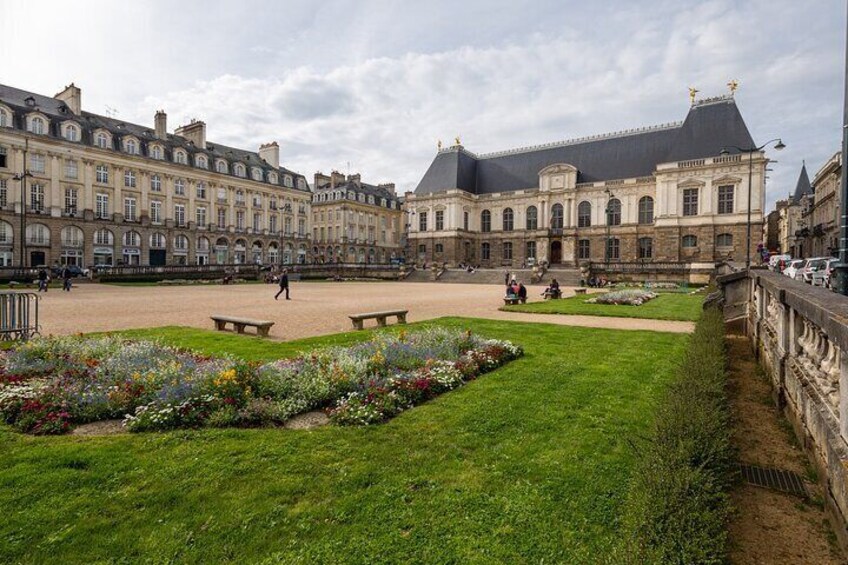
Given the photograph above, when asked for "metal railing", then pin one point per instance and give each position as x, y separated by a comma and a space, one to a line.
18, 316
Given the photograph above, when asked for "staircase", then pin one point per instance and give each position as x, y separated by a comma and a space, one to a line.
565, 277
419, 276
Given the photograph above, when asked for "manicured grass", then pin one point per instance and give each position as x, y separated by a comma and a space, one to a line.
530, 463
666, 306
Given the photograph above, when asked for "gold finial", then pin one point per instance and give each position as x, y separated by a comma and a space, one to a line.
439, 145
457, 141
733, 85
692, 92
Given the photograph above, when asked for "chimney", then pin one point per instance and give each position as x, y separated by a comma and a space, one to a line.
390, 186
72, 97
356, 179
321, 180
336, 179
194, 132
160, 124
270, 153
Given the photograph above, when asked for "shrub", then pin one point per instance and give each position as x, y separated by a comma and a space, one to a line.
677, 507
629, 297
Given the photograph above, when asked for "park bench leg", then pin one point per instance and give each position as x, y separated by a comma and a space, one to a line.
239, 328
381, 321
357, 324
262, 331
401, 318
219, 325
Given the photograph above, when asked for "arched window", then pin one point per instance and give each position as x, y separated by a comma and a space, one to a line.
485, 221
181, 242
203, 243
37, 234
36, 125
257, 174
287, 180
239, 170
201, 162
584, 214
646, 248
180, 157
614, 212
156, 153
485, 251
724, 240
132, 239
71, 133
690, 241
556, 216
157, 240
72, 236
508, 219
5, 121
646, 210
6, 233
132, 147
103, 237
221, 166
102, 141
532, 218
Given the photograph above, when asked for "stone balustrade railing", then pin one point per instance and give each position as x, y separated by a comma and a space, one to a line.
800, 335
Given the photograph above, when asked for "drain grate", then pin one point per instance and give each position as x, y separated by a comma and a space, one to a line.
775, 479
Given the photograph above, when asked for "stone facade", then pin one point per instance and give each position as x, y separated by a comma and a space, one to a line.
820, 217
355, 222
102, 191
563, 219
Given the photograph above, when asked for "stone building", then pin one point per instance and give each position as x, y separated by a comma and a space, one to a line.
820, 215
663, 193
790, 223
355, 222
103, 191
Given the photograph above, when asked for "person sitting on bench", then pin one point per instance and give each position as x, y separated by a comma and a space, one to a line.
553, 290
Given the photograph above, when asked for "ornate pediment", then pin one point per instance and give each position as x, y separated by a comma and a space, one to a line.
559, 176
691, 183
727, 179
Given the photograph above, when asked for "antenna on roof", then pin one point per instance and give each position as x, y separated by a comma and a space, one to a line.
111, 112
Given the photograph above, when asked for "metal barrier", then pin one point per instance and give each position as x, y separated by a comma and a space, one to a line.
18, 316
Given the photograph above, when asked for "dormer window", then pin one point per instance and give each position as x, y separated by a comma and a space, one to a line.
131, 147
257, 174
180, 157
239, 170
36, 125
156, 152
5, 119
30, 101
221, 167
272, 178
287, 180
201, 162
301, 184
101, 140
72, 132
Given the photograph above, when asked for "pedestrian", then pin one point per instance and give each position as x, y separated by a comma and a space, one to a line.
42, 280
284, 284
66, 279
506, 278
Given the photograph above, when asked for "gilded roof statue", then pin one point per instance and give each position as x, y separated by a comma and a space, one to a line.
733, 85
692, 92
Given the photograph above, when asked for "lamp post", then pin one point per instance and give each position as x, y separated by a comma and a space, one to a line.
750, 151
607, 245
22, 177
841, 266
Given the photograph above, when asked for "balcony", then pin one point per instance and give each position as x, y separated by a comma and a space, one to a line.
556, 232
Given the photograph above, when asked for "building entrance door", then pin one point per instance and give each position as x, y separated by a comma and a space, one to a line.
556, 252
157, 257
36, 258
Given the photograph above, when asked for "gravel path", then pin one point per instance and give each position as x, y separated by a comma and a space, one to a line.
316, 308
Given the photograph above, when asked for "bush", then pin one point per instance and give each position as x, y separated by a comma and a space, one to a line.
677, 507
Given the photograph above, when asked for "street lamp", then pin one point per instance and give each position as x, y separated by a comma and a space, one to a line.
22, 177
750, 151
608, 246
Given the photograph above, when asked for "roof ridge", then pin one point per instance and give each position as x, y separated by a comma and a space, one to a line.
567, 142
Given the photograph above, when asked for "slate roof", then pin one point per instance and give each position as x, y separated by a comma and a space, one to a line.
368, 189
709, 126
802, 187
58, 112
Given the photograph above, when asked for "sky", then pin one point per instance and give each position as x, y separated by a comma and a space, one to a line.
371, 86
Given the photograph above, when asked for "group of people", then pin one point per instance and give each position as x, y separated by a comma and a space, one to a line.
597, 282
516, 290
553, 290
44, 279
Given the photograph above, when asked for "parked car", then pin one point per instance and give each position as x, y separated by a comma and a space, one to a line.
793, 267
76, 271
824, 276
811, 266
774, 261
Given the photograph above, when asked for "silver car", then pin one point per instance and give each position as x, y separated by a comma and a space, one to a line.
810, 268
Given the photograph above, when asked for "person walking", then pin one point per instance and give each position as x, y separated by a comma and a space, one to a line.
284, 284
42, 280
66, 279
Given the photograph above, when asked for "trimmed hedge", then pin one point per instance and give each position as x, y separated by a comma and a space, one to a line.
678, 505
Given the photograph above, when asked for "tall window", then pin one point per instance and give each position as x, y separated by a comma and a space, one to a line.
583, 249
70, 200
201, 190
130, 209
440, 220
614, 212
202, 162
240, 220
422, 221
221, 166
584, 214
646, 210
179, 187
257, 222
71, 169
3, 157
724, 240
36, 163
179, 157
530, 251
155, 211
508, 219
101, 140
532, 219
179, 214
156, 183
36, 125
157, 240
101, 209
556, 216
4, 118
725, 199
156, 153
272, 224
132, 147
129, 179
485, 251
646, 248
507, 250
132, 239
36, 197
690, 241
485, 221
613, 248
101, 173
200, 215
465, 221
4, 193
690, 201
222, 218
71, 133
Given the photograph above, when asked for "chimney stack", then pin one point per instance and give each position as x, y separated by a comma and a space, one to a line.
390, 186
321, 180
270, 153
160, 124
336, 179
195, 132
72, 97
355, 179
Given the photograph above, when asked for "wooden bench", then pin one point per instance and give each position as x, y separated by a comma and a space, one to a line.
551, 295
262, 326
579, 291
512, 300
358, 319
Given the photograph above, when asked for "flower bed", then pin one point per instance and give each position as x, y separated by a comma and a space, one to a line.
630, 297
49, 385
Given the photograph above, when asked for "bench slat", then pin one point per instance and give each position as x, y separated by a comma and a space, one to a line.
369, 315
245, 321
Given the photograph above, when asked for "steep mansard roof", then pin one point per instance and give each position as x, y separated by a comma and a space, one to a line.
59, 112
803, 186
709, 126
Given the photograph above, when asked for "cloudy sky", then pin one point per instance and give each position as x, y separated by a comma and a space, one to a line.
376, 83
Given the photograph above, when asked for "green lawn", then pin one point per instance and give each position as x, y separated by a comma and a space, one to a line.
530, 463
666, 306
